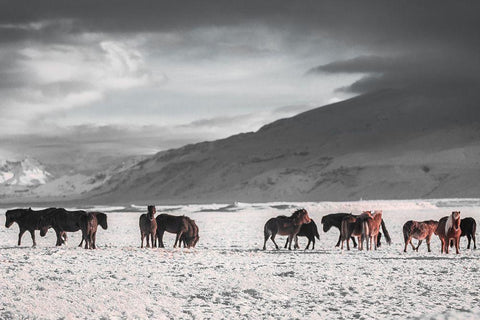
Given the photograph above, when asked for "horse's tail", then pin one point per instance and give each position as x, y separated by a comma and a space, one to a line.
315, 231
385, 232
406, 231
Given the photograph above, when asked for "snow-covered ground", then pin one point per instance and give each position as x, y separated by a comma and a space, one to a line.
229, 276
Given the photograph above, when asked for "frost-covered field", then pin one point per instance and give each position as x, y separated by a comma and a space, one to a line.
228, 276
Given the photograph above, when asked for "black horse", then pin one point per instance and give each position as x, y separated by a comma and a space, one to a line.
62, 221
335, 220
469, 227
27, 220
310, 231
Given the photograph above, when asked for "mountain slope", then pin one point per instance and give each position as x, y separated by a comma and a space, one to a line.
388, 144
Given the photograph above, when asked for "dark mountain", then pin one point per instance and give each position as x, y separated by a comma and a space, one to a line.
389, 144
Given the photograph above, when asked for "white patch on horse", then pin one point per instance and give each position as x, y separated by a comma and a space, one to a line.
449, 223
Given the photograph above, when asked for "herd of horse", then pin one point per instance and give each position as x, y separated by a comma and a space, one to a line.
365, 227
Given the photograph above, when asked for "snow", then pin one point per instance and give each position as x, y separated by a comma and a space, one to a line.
228, 276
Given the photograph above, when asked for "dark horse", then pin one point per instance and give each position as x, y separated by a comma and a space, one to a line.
148, 227
172, 224
285, 226
420, 231
335, 220
190, 237
308, 230
27, 219
448, 229
89, 224
469, 227
62, 221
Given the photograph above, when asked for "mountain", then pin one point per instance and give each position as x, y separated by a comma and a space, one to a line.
27, 172
389, 144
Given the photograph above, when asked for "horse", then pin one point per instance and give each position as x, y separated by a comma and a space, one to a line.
284, 226
419, 230
335, 220
27, 219
190, 237
308, 230
469, 227
449, 229
89, 227
353, 226
62, 221
372, 223
148, 226
172, 224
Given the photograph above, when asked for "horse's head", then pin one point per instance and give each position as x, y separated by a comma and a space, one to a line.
456, 219
43, 230
46, 221
326, 224
102, 220
151, 212
12, 215
301, 217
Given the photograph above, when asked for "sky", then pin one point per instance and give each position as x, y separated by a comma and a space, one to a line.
136, 77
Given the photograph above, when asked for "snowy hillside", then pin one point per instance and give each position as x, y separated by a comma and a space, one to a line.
385, 145
27, 172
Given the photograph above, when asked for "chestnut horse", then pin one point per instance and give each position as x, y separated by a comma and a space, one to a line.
373, 228
148, 227
352, 226
285, 226
448, 229
420, 230
89, 224
190, 237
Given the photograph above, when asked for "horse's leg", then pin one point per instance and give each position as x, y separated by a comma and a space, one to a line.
286, 243
469, 240
407, 241
418, 245
429, 237
447, 245
147, 235
313, 242
354, 242
266, 236
32, 233
177, 238
296, 243
308, 244
59, 238
273, 240
457, 245
153, 239
474, 241
142, 235
94, 239
290, 238
20, 234
160, 238
339, 239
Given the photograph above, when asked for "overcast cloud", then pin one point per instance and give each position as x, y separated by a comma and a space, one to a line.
152, 75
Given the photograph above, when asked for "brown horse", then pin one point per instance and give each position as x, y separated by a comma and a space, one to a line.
308, 230
148, 227
27, 220
285, 226
89, 225
190, 237
352, 226
448, 229
373, 225
419, 230
173, 224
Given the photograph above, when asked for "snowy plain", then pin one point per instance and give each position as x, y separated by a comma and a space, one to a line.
228, 276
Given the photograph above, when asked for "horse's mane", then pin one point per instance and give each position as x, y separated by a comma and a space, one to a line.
15, 213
